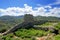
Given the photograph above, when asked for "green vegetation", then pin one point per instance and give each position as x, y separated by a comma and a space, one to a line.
6, 22
57, 37
26, 34
50, 18
47, 24
58, 26
30, 32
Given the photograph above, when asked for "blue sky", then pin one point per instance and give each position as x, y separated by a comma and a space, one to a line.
20, 3
35, 7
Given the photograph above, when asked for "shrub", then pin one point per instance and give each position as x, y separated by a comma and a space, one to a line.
27, 33
57, 37
57, 26
7, 37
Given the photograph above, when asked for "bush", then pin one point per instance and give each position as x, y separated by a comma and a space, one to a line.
57, 37
27, 33
7, 37
57, 26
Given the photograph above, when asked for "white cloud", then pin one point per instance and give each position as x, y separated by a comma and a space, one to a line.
47, 6
55, 3
16, 11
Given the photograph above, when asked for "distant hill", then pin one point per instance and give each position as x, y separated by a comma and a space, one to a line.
36, 17
10, 17
47, 18
7, 22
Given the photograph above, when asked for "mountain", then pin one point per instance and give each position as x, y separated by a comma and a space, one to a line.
47, 18
10, 17
6, 22
6, 17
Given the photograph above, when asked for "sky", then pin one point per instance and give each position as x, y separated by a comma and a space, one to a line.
34, 7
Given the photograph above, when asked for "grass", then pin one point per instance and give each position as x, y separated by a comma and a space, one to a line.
25, 34
47, 24
58, 26
30, 34
57, 37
